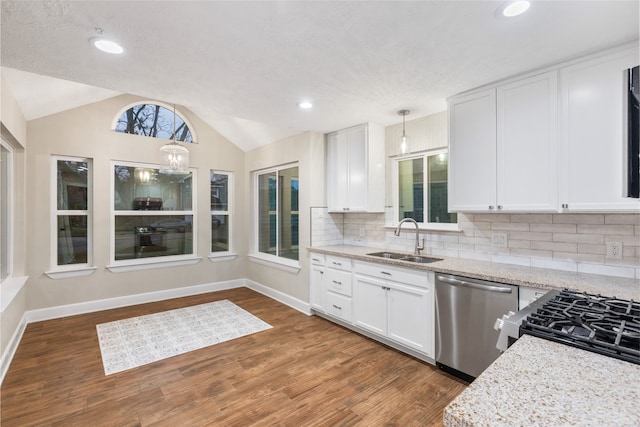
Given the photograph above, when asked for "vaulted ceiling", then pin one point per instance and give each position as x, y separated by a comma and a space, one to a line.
242, 66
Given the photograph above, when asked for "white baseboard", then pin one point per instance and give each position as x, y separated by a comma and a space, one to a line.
125, 301
285, 299
10, 351
110, 303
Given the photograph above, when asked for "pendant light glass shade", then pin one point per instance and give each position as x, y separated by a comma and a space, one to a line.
403, 145
174, 158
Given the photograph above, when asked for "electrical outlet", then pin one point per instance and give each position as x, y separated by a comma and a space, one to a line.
614, 250
361, 233
499, 239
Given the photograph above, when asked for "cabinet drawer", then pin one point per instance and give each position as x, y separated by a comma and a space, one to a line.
338, 281
396, 274
317, 259
338, 306
338, 263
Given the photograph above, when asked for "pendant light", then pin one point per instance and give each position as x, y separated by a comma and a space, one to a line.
403, 145
174, 158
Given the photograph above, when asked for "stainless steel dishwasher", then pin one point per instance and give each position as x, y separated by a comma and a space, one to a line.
466, 310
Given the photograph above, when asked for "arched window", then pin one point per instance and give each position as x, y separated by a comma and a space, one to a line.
155, 121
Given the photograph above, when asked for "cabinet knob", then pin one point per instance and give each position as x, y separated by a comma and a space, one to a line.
499, 207
490, 207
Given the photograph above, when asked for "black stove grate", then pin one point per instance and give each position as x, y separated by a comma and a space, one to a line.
608, 326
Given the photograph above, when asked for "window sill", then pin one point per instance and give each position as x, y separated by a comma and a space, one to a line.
127, 266
281, 264
67, 274
427, 227
10, 288
225, 256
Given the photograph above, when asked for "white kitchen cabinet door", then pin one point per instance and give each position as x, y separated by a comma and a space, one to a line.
527, 144
355, 169
410, 317
317, 286
370, 304
472, 152
593, 136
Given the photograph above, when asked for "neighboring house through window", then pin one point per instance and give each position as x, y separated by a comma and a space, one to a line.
277, 212
421, 189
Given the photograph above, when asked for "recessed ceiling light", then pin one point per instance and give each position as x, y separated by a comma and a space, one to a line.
108, 46
305, 105
514, 8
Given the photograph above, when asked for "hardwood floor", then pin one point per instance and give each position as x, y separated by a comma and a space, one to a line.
305, 371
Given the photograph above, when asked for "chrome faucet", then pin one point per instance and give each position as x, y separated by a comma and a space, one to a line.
397, 233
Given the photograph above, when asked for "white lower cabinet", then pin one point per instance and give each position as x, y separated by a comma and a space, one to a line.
397, 309
393, 303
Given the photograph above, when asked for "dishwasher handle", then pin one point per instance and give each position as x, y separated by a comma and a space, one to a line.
490, 288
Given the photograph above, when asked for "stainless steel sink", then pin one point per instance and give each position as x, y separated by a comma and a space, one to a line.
420, 259
388, 255
404, 257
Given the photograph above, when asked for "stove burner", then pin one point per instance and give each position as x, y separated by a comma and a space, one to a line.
603, 325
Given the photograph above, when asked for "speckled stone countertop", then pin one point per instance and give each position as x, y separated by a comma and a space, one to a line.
504, 273
537, 382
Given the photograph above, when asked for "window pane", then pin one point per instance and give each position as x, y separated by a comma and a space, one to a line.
72, 185
288, 212
438, 166
5, 158
72, 239
219, 192
154, 121
219, 233
138, 188
411, 189
152, 236
267, 213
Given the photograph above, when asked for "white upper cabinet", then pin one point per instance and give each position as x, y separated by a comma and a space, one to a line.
527, 144
503, 147
472, 152
355, 169
593, 136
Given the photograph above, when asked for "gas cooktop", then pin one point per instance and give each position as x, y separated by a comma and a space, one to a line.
603, 325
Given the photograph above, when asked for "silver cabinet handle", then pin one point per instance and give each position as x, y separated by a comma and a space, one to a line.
335, 306
458, 282
336, 263
336, 282
385, 272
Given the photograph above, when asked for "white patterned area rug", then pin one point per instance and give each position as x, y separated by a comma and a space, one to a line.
134, 342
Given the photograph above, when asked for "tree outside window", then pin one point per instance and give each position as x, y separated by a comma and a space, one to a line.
154, 121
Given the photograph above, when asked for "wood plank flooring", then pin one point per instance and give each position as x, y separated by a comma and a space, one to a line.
305, 371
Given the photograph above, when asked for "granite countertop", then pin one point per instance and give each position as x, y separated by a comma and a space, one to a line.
544, 383
504, 273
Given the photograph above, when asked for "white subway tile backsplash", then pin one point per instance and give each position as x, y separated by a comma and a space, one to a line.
568, 242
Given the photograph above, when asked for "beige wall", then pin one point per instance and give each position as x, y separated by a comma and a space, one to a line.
307, 150
85, 132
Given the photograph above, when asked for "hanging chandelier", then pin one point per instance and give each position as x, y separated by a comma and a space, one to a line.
174, 158
403, 145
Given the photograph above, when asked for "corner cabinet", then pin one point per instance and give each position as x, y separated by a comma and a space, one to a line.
593, 136
503, 147
356, 169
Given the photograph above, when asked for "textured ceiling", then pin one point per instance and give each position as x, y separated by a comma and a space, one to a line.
243, 66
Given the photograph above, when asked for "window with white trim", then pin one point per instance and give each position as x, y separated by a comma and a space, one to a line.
220, 208
153, 213
6, 205
277, 212
155, 121
72, 212
421, 186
